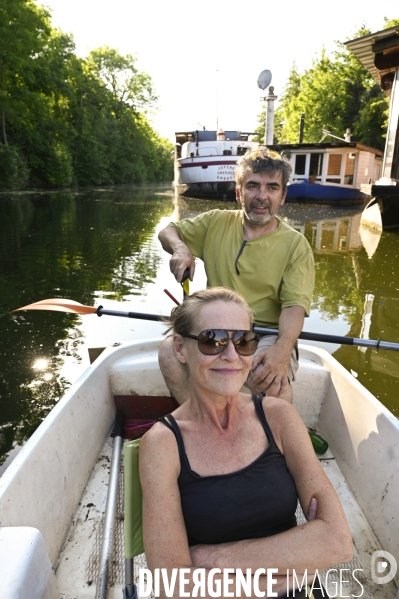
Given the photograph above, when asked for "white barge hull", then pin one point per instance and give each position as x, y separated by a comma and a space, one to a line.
206, 161
199, 176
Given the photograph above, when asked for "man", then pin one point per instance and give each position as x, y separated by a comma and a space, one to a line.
256, 254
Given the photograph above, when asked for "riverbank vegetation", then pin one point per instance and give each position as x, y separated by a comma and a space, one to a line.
68, 121
336, 93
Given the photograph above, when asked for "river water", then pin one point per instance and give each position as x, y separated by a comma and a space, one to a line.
101, 247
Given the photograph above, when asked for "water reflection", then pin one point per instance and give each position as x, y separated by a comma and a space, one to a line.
356, 281
101, 247
79, 246
378, 317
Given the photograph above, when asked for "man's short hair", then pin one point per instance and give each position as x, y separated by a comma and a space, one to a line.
263, 161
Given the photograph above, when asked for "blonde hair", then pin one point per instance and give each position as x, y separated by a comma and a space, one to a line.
183, 317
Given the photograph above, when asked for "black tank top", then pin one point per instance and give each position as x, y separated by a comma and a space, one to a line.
257, 501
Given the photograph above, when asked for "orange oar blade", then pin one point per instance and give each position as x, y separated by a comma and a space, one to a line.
59, 304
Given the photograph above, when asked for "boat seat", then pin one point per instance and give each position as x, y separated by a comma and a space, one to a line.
133, 531
132, 500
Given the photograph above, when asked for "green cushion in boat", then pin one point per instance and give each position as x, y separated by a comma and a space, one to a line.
133, 496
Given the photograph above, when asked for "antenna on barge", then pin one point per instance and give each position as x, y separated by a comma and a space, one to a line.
264, 81
217, 99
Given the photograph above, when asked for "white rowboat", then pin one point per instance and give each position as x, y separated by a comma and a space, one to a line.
53, 495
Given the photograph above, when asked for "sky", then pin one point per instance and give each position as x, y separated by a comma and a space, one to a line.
205, 58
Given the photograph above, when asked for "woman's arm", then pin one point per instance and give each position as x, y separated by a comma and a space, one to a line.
164, 532
318, 544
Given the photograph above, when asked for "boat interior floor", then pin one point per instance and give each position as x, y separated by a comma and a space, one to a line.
77, 567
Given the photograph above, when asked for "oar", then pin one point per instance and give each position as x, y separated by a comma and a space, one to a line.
66, 305
110, 511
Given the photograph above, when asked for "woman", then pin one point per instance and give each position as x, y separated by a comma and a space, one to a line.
221, 476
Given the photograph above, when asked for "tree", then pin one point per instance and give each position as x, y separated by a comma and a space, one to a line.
66, 120
129, 87
390, 23
24, 28
116, 142
336, 93
366, 106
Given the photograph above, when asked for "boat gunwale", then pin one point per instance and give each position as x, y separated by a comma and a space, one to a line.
18, 484
54, 541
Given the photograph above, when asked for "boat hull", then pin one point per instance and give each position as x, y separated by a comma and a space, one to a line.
316, 193
224, 191
382, 212
212, 177
206, 162
45, 486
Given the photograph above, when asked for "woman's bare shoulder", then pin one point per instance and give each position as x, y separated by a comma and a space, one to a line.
279, 410
159, 445
283, 419
159, 454
158, 435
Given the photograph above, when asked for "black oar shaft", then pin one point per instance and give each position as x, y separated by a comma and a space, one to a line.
140, 316
311, 336
335, 339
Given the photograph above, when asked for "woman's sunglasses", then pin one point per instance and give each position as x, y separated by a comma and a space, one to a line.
214, 341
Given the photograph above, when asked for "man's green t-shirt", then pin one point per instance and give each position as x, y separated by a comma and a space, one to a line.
273, 271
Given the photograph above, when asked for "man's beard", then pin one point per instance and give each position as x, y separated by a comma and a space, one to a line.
259, 220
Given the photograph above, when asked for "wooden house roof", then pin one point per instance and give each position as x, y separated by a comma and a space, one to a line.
379, 53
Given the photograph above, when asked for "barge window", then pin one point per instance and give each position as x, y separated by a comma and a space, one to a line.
241, 150
300, 164
316, 165
334, 164
349, 169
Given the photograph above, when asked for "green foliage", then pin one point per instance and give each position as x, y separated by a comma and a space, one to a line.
129, 87
69, 245
343, 298
14, 172
390, 23
66, 120
372, 120
336, 93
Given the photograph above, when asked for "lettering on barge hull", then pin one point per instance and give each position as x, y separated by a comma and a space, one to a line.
226, 172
